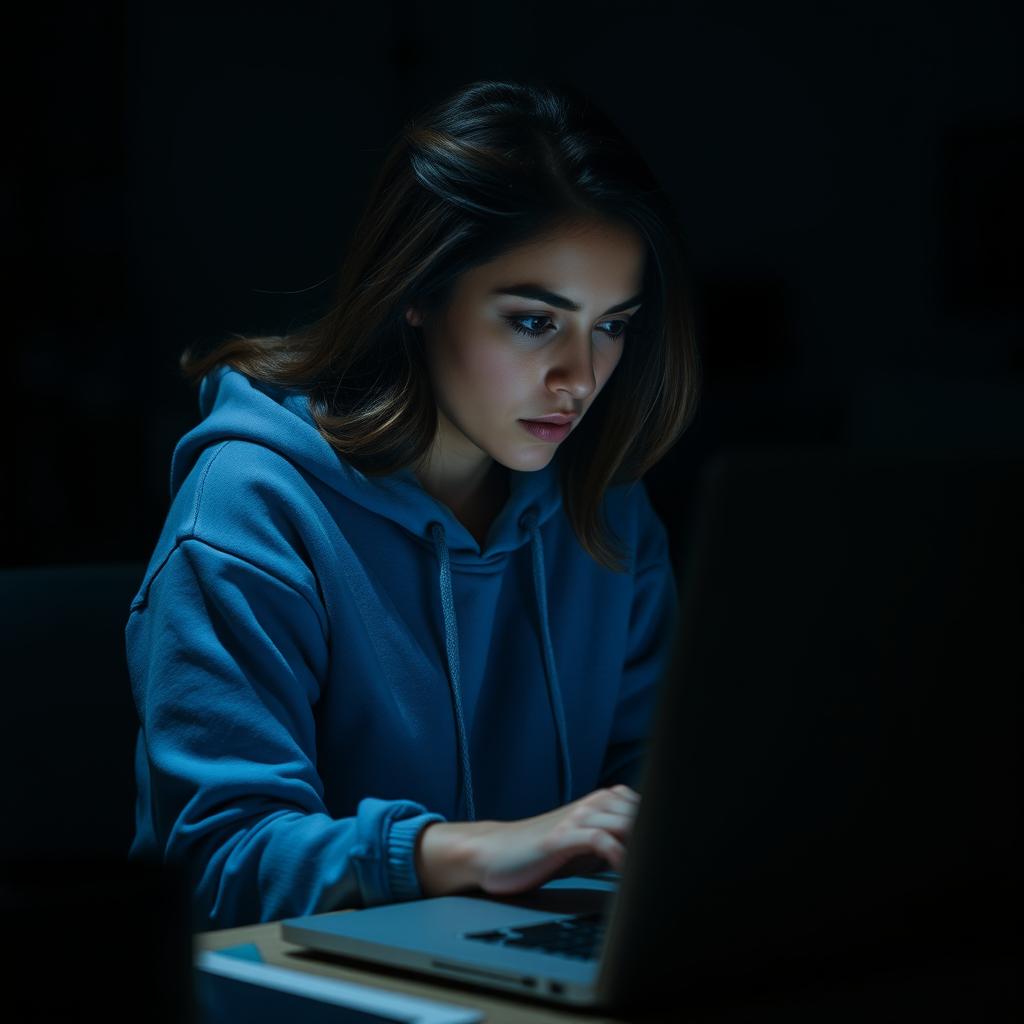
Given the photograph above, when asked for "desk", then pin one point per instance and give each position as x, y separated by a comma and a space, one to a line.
499, 1008
986, 991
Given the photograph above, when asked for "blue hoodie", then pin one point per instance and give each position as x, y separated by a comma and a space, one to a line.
324, 662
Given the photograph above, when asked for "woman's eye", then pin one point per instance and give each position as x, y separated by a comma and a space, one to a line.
516, 323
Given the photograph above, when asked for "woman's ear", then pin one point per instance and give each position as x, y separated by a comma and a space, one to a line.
414, 317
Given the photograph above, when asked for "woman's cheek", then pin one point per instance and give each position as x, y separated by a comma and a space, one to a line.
497, 370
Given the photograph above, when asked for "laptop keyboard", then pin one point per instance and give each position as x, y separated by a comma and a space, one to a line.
578, 937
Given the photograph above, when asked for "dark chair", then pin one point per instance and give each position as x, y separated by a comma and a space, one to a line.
68, 725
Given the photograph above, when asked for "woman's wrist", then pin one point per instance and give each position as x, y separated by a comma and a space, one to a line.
444, 858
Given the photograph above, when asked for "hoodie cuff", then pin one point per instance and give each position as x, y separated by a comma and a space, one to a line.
401, 848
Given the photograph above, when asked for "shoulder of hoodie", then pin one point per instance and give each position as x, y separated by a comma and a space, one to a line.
235, 467
252, 502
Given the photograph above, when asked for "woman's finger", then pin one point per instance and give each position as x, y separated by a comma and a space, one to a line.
616, 805
581, 841
620, 824
623, 790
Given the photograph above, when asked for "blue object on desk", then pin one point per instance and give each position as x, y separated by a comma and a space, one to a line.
235, 984
246, 951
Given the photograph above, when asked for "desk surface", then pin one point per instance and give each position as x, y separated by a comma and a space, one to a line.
984, 991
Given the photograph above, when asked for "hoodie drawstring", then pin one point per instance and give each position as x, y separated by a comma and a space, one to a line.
451, 638
528, 520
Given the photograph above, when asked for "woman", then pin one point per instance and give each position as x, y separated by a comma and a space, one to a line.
384, 602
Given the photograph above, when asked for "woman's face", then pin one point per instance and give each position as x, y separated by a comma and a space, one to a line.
487, 377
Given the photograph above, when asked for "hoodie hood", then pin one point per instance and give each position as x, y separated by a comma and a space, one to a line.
236, 407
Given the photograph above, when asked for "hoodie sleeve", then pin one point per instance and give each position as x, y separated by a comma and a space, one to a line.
651, 621
226, 660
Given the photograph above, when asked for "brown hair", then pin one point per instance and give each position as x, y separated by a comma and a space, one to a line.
489, 168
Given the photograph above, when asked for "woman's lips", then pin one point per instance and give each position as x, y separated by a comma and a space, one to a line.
547, 431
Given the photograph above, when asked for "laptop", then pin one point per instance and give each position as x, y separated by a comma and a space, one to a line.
830, 786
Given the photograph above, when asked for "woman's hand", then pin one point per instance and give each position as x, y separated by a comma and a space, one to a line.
590, 834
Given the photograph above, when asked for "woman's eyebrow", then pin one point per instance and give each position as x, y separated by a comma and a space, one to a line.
534, 291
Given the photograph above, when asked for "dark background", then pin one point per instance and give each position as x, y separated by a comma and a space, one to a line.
848, 175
